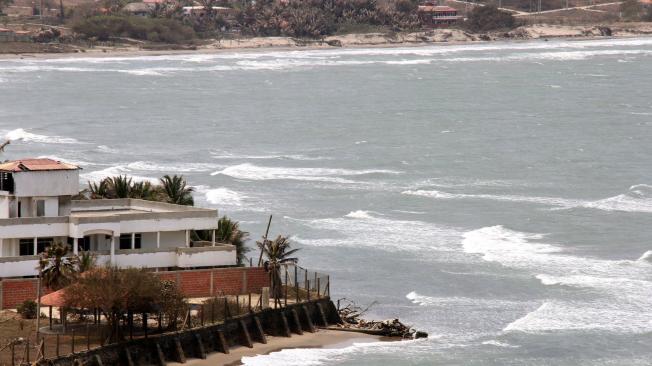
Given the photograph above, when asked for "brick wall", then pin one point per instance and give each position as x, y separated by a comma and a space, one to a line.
15, 292
193, 283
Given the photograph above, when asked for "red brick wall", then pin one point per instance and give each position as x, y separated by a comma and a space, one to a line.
193, 283
257, 278
15, 292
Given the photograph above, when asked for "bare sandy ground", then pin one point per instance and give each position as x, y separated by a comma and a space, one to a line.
320, 339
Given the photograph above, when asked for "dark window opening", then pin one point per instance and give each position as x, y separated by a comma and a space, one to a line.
40, 208
6, 182
26, 247
20, 208
125, 241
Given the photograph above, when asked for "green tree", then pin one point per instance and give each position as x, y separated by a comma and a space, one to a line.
120, 186
277, 252
489, 18
57, 270
115, 292
631, 10
228, 232
177, 190
84, 261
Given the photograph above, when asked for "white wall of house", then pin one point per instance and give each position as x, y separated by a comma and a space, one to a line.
4, 206
173, 239
46, 183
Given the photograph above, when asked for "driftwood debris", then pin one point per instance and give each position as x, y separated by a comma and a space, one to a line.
351, 315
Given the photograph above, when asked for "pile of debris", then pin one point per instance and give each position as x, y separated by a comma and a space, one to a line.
351, 316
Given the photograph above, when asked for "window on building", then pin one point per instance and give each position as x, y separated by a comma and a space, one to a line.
26, 247
40, 208
20, 209
125, 241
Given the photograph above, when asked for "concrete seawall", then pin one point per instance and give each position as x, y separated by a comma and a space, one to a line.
198, 342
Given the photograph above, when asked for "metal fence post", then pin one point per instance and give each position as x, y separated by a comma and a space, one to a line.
296, 282
286, 285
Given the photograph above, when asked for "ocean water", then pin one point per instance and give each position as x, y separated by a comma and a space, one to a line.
497, 196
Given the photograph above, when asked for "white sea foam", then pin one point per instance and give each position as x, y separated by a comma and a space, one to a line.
367, 229
65, 160
20, 134
646, 257
551, 201
106, 149
98, 175
224, 196
273, 156
637, 199
255, 172
623, 286
173, 168
359, 214
325, 356
500, 344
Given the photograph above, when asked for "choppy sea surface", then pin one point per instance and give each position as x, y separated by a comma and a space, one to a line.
497, 196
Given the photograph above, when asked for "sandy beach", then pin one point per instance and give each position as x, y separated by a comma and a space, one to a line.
321, 339
438, 37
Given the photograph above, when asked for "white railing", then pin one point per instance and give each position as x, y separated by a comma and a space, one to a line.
221, 255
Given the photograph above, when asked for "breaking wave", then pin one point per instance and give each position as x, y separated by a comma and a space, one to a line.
183, 168
621, 304
366, 229
255, 172
20, 134
637, 199
223, 196
98, 175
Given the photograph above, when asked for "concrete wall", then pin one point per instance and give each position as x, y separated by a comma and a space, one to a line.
46, 183
193, 283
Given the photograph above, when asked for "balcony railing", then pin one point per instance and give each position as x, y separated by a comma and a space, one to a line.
181, 257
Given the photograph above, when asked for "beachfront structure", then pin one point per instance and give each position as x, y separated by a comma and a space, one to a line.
37, 209
437, 16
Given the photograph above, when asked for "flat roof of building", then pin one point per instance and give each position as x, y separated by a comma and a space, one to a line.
35, 165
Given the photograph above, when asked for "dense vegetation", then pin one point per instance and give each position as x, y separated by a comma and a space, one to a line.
633, 10
489, 18
103, 27
171, 189
294, 18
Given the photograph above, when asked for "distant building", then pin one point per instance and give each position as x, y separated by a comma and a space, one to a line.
200, 10
139, 9
437, 16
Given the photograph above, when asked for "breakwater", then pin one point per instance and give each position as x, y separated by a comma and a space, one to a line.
178, 346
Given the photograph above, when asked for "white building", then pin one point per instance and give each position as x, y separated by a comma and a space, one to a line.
36, 210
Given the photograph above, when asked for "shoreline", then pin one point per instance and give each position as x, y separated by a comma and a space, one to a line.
441, 37
322, 338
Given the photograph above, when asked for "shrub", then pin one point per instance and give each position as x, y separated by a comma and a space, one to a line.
27, 309
489, 18
149, 29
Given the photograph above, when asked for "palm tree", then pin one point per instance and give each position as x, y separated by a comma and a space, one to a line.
177, 190
228, 232
142, 190
278, 252
99, 190
120, 186
84, 261
56, 269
